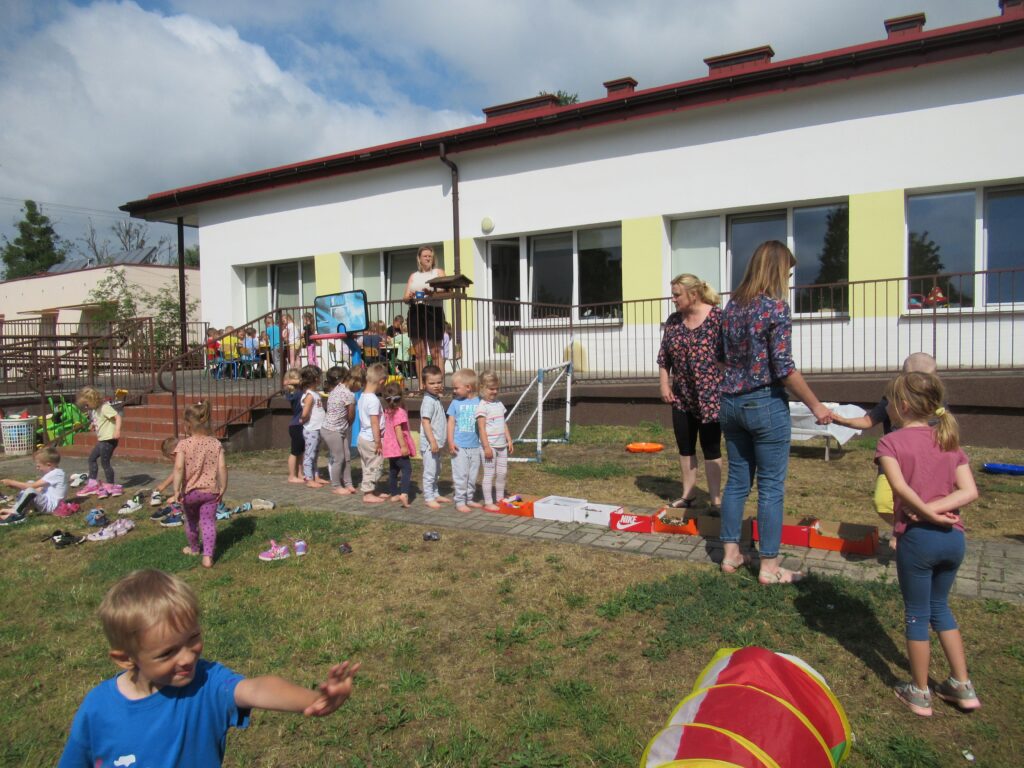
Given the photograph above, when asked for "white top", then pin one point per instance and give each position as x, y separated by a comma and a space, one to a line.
494, 424
369, 405
316, 416
418, 280
52, 494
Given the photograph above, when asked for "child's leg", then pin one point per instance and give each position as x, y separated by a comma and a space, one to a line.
208, 526
311, 353
942, 619
106, 453
23, 501
488, 479
405, 467
311, 438
335, 442
500, 472
430, 467
475, 457
371, 461
94, 456
346, 462
298, 448
460, 476
393, 470
191, 504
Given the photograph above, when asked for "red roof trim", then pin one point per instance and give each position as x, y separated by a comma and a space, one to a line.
908, 50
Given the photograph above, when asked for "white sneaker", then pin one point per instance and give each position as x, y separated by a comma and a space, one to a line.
133, 505
78, 479
156, 499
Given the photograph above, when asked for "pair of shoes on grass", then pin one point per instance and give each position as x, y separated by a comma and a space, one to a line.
173, 508
115, 529
281, 551
133, 505
960, 694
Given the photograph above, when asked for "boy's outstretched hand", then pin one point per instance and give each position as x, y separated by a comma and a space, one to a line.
334, 691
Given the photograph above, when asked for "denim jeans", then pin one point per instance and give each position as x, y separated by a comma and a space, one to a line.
927, 560
757, 433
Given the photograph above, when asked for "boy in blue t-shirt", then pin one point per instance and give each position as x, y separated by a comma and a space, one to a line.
170, 706
463, 438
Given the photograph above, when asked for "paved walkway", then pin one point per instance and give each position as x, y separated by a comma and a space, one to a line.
993, 568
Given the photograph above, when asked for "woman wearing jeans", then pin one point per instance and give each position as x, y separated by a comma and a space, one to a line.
756, 349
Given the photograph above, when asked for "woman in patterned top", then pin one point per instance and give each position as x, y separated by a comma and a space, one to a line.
690, 381
756, 348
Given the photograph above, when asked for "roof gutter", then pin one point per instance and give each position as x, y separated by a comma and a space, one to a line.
455, 206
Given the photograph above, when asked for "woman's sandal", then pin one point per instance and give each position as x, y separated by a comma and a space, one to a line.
682, 503
732, 566
781, 576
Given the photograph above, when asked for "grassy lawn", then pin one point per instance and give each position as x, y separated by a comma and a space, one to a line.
481, 650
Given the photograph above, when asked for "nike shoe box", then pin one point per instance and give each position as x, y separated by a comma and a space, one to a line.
623, 520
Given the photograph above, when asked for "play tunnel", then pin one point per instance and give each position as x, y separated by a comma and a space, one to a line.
752, 708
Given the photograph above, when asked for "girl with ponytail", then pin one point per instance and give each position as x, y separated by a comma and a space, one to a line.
931, 481
200, 480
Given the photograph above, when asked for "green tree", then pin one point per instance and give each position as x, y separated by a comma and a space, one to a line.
192, 256
36, 248
564, 97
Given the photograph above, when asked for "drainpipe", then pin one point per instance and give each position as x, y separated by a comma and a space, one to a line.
457, 266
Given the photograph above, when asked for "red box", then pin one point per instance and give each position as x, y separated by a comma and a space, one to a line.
850, 538
796, 531
627, 521
693, 524
521, 508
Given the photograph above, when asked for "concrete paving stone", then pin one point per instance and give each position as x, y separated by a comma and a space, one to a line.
989, 573
589, 537
521, 530
1013, 577
966, 587
835, 557
816, 554
995, 594
548, 536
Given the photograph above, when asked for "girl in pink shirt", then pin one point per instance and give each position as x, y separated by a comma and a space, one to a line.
200, 480
396, 443
931, 480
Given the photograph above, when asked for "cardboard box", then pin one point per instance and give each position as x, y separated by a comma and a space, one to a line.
796, 531
624, 520
692, 524
595, 514
521, 508
556, 508
851, 538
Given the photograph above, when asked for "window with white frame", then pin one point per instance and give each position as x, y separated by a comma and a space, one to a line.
697, 249
582, 267
284, 285
384, 274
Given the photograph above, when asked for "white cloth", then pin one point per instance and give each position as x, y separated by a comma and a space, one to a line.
804, 426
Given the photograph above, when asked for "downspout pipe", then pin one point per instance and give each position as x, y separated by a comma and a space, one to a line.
455, 206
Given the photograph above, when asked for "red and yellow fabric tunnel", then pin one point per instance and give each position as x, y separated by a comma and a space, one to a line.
752, 708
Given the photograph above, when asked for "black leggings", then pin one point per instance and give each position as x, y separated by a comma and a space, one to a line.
396, 465
688, 429
100, 454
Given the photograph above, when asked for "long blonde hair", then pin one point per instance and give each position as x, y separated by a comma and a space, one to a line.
695, 286
767, 273
197, 418
921, 396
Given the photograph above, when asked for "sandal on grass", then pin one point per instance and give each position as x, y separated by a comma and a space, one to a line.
682, 503
732, 566
781, 576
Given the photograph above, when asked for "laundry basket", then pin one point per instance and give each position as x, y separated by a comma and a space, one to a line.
19, 436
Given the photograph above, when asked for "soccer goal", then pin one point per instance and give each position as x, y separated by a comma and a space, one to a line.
543, 412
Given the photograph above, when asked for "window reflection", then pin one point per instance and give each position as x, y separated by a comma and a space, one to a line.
940, 241
1004, 246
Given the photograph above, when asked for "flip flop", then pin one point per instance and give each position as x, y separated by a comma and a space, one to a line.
682, 503
732, 566
781, 576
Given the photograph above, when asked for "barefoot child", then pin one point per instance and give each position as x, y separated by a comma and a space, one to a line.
463, 438
293, 393
200, 480
369, 434
312, 419
170, 706
396, 443
44, 494
107, 422
433, 433
340, 410
931, 481
495, 440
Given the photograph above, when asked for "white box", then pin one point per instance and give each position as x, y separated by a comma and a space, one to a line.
556, 508
595, 514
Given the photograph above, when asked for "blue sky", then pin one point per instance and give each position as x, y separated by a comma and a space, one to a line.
106, 102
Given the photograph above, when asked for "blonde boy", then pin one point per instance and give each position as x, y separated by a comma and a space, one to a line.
463, 438
368, 443
151, 620
45, 494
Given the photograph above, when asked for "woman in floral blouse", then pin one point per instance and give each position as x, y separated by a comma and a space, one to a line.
757, 351
690, 381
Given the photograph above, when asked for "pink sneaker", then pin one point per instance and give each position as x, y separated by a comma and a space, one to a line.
113, 489
276, 552
88, 489
300, 547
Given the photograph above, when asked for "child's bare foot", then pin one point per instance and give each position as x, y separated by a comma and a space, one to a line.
312, 484
474, 505
396, 498
433, 504
384, 496
443, 500
370, 498
492, 507
350, 488
404, 498
296, 480
321, 481
188, 551
462, 508
207, 561
342, 491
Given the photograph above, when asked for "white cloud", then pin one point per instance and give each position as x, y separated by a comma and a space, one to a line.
111, 102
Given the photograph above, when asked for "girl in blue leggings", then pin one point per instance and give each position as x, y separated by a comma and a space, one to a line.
931, 480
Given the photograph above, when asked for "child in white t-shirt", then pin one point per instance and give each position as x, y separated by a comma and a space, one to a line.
369, 443
43, 494
495, 440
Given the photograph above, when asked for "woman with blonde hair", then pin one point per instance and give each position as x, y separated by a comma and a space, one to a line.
690, 381
756, 349
426, 316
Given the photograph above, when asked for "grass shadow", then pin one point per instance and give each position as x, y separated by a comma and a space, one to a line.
816, 451
140, 479
239, 529
659, 485
833, 608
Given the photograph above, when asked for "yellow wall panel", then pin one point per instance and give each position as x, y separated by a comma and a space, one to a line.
877, 251
643, 244
467, 267
328, 273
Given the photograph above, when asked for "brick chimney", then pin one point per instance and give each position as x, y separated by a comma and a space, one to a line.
541, 103
905, 26
740, 61
620, 87
1011, 7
